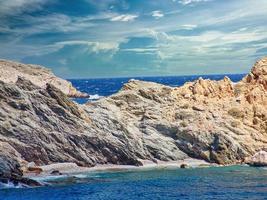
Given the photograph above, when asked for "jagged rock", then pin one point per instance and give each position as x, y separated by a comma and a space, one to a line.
184, 166
143, 121
258, 160
45, 126
40, 76
198, 108
224, 131
36, 170
10, 167
209, 88
56, 172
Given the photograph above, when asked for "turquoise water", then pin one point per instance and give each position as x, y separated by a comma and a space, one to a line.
235, 182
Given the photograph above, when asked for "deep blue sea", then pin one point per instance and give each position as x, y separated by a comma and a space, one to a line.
229, 183
107, 86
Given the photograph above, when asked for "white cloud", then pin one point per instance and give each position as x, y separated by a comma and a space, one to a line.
211, 43
157, 14
189, 26
236, 30
13, 7
102, 46
147, 50
94, 47
20, 51
245, 12
109, 4
50, 23
124, 18
186, 2
160, 36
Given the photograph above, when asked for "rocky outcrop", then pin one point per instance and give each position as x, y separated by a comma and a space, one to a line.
258, 160
44, 126
217, 121
40, 76
10, 167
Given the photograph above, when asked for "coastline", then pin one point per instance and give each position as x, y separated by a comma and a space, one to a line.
151, 183
58, 170
143, 123
70, 173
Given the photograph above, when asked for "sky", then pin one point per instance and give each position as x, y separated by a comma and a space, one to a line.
126, 38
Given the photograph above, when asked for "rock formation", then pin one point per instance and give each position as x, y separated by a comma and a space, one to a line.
258, 160
217, 121
10, 71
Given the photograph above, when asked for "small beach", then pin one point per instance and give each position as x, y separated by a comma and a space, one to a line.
71, 169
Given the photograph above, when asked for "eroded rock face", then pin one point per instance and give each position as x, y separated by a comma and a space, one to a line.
45, 126
217, 121
9, 161
40, 76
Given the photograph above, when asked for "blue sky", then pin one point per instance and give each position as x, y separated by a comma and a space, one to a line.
115, 38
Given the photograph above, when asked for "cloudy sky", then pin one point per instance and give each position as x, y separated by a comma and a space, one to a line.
115, 38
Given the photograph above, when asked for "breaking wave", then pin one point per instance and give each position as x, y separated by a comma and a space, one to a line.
95, 97
11, 184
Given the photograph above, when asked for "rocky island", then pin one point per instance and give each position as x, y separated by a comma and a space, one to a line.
217, 121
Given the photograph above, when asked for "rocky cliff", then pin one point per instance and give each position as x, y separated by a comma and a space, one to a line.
10, 71
217, 121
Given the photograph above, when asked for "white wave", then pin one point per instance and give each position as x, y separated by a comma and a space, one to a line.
10, 184
49, 178
81, 176
95, 97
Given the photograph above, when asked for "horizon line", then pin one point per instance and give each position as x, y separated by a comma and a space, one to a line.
156, 76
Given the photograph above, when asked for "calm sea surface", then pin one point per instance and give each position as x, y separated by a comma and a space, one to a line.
229, 183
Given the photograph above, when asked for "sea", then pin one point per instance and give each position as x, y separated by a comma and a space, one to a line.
212, 183
101, 87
